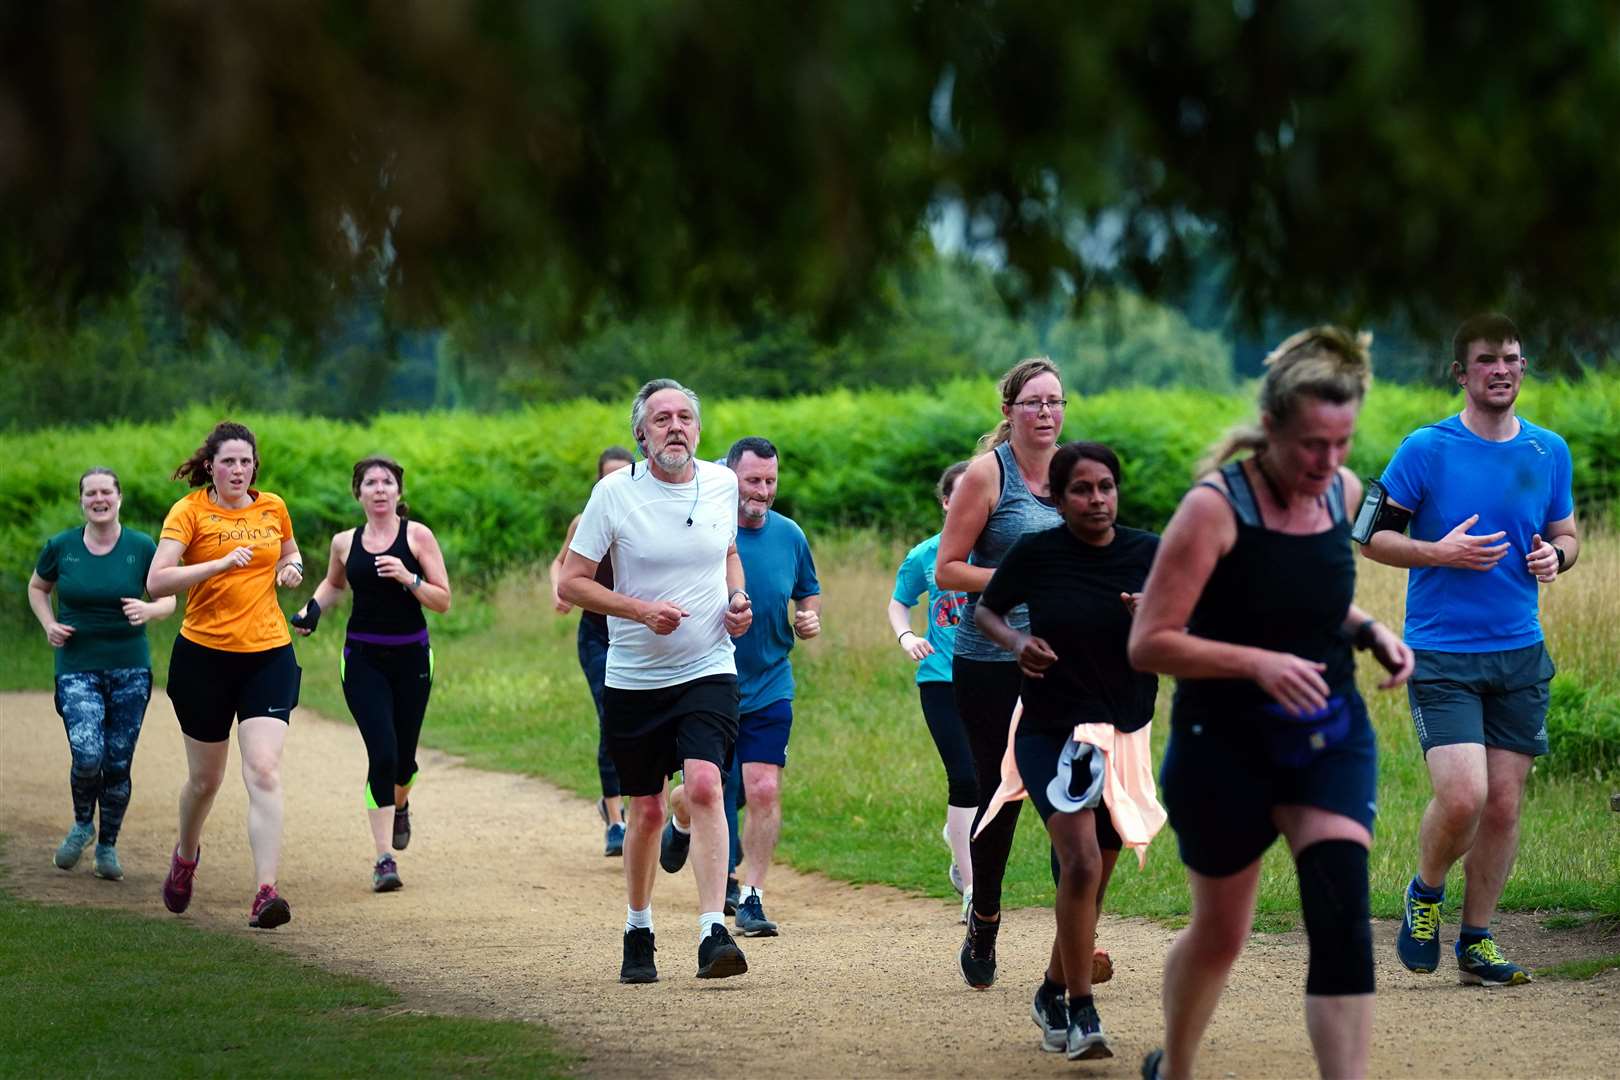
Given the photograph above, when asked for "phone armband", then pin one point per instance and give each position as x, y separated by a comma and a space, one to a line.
1377, 513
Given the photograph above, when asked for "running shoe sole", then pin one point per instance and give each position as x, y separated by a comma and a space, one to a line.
1053, 1040
728, 960
112, 872
273, 914
1093, 1047
387, 883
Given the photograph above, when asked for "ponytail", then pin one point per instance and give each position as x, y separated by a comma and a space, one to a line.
1327, 363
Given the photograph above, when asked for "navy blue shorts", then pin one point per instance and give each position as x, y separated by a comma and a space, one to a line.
1492, 698
1220, 784
762, 735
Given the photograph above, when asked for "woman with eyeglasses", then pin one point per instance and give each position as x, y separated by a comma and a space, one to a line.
1001, 498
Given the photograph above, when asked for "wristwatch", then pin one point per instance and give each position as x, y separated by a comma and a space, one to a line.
1561, 557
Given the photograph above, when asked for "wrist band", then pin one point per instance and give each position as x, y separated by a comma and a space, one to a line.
1363, 637
903, 633
1562, 558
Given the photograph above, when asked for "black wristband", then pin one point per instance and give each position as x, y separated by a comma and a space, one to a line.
1562, 558
311, 617
1363, 638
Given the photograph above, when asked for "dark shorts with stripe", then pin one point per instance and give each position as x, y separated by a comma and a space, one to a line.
1492, 698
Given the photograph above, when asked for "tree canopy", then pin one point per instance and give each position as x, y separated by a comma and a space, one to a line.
1360, 160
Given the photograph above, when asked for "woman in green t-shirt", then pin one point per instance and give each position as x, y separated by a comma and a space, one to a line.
103, 666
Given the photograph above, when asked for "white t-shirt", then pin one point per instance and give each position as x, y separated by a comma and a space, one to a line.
658, 556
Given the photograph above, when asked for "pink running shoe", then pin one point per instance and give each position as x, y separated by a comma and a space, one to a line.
269, 909
177, 886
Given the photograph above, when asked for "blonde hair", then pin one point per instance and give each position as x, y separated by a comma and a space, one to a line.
1328, 363
1011, 384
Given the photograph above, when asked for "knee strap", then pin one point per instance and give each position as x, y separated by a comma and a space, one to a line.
1333, 895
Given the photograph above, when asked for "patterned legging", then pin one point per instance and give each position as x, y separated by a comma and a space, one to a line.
102, 711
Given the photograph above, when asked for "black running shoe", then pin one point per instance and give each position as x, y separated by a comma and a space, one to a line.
718, 956
1051, 1013
1086, 1039
978, 955
733, 895
402, 827
638, 966
673, 847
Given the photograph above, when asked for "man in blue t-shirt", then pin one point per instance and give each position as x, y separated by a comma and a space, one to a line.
1488, 498
777, 571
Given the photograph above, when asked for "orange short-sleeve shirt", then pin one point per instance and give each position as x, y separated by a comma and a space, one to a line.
235, 611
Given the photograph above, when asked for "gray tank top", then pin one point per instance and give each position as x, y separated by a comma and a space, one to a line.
1016, 514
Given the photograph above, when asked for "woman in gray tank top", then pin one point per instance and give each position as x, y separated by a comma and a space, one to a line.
1001, 498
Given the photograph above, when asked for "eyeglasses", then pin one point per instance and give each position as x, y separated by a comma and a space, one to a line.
1035, 406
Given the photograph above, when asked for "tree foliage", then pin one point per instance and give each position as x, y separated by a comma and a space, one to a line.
1359, 160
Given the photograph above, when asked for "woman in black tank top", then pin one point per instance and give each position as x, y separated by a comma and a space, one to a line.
396, 569
592, 645
1250, 605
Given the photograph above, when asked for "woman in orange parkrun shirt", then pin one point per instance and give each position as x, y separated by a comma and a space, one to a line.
228, 546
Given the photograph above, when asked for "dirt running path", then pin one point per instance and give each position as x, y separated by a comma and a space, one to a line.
510, 910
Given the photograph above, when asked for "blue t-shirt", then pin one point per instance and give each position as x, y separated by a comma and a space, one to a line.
916, 577
1445, 473
778, 568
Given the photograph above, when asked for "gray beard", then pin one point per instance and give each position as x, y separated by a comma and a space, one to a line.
673, 460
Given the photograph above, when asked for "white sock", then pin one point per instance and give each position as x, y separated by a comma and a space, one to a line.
707, 920
752, 890
673, 820
636, 920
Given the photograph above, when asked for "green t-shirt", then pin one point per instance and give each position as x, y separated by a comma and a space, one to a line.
90, 591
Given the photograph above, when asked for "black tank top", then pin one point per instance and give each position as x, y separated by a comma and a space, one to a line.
1275, 591
381, 605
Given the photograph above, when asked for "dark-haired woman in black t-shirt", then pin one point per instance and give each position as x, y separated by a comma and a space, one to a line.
1079, 581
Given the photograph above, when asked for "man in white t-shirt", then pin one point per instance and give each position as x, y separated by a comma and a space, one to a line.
670, 702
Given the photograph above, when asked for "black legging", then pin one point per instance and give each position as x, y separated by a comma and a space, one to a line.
945, 725
986, 691
387, 689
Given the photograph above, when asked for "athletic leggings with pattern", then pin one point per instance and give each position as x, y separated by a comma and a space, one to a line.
102, 711
387, 688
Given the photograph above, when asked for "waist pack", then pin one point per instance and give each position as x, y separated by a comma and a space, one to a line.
1296, 741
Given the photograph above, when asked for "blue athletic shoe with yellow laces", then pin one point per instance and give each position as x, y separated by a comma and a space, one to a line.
1417, 943
1482, 964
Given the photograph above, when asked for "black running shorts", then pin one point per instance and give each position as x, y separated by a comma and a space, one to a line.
211, 687
695, 720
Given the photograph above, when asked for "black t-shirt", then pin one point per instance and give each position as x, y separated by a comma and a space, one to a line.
1072, 589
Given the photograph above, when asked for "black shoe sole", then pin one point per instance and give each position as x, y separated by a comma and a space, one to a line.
642, 975
388, 885
275, 913
728, 960
757, 931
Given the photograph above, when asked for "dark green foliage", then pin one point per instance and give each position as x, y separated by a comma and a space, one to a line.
1583, 729
499, 490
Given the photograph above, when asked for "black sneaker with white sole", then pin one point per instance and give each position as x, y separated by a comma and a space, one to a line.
402, 827
718, 955
1086, 1039
638, 966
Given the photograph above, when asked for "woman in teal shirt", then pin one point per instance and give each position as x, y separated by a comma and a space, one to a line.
103, 665
932, 654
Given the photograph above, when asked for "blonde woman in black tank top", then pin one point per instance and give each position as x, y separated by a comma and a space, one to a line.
1002, 496
1250, 606
396, 569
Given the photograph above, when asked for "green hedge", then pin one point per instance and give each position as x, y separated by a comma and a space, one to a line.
499, 490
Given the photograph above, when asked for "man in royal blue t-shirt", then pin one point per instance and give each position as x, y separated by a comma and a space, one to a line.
1491, 512
778, 571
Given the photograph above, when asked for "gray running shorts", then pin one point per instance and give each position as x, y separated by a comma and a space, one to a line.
1490, 698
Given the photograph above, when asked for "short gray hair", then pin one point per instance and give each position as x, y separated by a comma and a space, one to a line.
638, 407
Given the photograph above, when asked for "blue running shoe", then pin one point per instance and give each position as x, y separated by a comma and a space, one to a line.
1051, 1015
68, 853
1482, 964
1417, 943
1086, 1041
613, 840
751, 920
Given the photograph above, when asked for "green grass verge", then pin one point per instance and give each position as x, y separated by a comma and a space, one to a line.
1580, 969
104, 993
